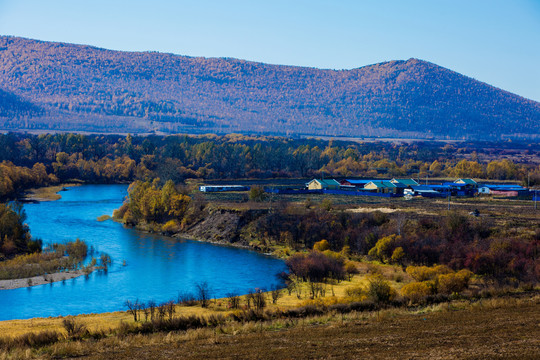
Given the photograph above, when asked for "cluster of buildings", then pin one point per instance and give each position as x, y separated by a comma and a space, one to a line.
387, 188
401, 187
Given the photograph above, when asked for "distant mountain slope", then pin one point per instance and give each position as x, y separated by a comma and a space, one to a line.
87, 88
12, 106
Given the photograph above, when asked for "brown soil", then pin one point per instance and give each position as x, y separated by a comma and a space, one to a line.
511, 332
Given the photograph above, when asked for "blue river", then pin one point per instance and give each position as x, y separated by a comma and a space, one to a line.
156, 267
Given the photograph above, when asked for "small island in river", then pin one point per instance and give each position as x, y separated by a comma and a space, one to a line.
41, 279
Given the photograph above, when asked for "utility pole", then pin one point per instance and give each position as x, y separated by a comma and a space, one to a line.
535, 199
449, 195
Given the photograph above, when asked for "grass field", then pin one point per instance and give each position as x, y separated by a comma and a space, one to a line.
504, 328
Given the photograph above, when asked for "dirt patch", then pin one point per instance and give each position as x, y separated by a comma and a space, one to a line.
218, 226
368, 210
223, 226
390, 210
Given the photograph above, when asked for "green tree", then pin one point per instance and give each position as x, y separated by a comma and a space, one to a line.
379, 289
256, 193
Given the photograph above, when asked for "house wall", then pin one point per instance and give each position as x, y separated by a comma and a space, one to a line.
314, 185
371, 187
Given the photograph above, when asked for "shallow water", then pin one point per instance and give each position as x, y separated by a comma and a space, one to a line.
157, 267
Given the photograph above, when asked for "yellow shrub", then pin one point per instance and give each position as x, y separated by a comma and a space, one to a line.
442, 269
321, 245
170, 226
118, 214
333, 255
397, 255
283, 252
416, 291
384, 247
323, 301
424, 273
454, 282
356, 293
346, 251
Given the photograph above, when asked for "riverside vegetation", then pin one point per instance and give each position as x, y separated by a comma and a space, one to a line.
488, 247
178, 325
54, 258
21, 256
28, 161
341, 264
323, 288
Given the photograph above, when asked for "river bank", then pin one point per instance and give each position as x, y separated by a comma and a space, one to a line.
47, 193
224, 227
152, 260
40, 280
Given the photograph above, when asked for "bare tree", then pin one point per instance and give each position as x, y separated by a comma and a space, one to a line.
234, 300
170, 308
290, 288
186, 299
133, 308
146, 311
73, 328
203, 292
249, 298
400, 222
161, 311
259, 301
276, 293
316, 289
151, 306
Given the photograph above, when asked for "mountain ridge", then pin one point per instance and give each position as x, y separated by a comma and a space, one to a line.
83, 87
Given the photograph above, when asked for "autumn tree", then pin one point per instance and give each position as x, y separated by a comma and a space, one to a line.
385, 247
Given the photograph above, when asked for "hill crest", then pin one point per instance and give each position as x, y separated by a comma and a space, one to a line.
81, 87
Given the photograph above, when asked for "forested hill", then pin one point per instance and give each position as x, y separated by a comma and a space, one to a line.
12, 106
87, 88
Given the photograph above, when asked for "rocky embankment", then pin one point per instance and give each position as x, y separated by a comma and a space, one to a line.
224, 226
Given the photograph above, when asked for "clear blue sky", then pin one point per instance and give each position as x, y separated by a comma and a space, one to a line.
495, 41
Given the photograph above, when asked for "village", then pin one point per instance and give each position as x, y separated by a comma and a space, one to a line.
390, 188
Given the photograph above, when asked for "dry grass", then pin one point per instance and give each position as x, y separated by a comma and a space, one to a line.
94, 322
48, 193
107, 321
497, 328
